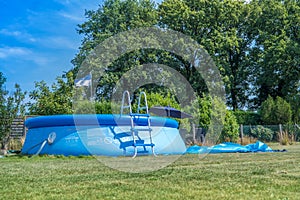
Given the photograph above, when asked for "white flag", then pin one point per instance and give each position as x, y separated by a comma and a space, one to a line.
85, 81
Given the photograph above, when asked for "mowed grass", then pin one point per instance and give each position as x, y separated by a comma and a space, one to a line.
217, 176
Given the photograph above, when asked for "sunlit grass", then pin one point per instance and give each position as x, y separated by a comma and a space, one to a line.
217, 176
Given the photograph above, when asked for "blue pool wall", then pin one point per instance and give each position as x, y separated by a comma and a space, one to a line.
95, 135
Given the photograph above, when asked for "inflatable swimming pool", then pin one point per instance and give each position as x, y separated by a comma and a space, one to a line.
102, 134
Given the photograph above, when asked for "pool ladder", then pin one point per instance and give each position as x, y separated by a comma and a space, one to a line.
137, 141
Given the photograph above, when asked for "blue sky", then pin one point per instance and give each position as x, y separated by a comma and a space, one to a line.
38, 38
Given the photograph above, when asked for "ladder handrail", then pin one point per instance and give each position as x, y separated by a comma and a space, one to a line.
145, 102
126, 92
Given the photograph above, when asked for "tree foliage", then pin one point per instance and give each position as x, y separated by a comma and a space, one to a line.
256, 57
295, 105
276, 111
211, 114
247, 117
56, 99
255, 45
230, 132
11, 105
278, 46
221, 27
114, 17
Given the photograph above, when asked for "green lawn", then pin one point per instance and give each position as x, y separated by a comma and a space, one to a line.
218, 176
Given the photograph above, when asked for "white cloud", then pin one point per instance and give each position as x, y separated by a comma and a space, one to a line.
6, 52
62, 41
63, 2
58, 43
19, 35
10, 33
23, 54
72, 17
40, 60
75, 9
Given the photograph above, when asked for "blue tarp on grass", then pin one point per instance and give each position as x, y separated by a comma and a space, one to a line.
229, 147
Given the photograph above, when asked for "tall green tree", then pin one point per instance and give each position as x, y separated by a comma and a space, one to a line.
278, 46
113, 17
255, 44
11, 105
224, 29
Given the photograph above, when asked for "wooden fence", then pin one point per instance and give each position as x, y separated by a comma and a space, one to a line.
198, 134
18, 129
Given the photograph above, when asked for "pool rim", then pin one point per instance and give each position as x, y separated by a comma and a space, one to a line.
96, 120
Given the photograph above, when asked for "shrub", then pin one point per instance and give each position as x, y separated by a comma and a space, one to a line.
276, 111
285, 138
16, 143
230, 132
262, 133
201, 109
218, 116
